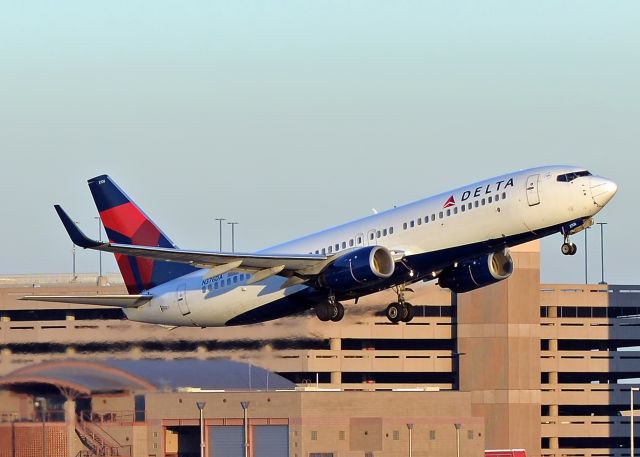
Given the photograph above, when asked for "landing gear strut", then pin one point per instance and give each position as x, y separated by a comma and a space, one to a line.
331, 310
567, 247
400, 310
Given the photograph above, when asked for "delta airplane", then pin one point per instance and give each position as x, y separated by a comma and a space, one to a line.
461, 238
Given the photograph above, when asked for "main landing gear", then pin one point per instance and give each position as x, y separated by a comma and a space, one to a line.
567, 247
400, 311
331, 310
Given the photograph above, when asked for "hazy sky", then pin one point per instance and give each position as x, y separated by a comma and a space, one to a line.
292, 116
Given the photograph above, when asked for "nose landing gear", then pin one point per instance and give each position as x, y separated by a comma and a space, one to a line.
400, 311
567, 247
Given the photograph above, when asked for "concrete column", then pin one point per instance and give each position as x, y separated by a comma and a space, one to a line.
73, 444
498, 335
335, 344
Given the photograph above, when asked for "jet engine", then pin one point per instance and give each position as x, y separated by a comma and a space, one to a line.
358, 268
473, 274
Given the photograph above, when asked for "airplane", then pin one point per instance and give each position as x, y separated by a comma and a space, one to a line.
460, 237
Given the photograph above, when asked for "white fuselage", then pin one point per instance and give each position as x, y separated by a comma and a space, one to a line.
502, 207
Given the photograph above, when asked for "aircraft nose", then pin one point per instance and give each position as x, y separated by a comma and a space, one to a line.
602, 190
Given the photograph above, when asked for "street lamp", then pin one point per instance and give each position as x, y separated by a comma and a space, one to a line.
233, 225
458, 427
99, 252
41, 403
631, 391
410, 427
201, 405
220, 219
245, 410
73, 253
602, 224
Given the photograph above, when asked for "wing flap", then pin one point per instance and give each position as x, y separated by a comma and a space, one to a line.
120, 301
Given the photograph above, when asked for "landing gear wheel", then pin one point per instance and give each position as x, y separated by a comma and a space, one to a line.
394, 312
569, 248
408, 316
337, 312
322, 312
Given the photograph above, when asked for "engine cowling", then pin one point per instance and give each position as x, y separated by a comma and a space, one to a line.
476, 273
357, 269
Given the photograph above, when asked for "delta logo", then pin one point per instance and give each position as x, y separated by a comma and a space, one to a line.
450, 202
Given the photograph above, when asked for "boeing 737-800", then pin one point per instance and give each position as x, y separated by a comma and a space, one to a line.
461, 238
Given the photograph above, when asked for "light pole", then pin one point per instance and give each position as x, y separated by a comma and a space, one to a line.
73, 253
631, 391
201, 405
458, 427
99, 252
586, 257
602, 224
410, 427
233, 225
41, 402
245, 410
220, 219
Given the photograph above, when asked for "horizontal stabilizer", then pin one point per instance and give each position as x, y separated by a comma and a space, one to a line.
121, 301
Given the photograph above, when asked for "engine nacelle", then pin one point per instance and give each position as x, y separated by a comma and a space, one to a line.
357, 269
476, 273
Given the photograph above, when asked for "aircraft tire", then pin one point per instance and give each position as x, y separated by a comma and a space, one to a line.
339, 312
408, 317
394, 312
323, 312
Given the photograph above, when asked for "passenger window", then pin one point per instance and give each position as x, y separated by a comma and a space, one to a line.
412, 224
426, 219
359, 240
384, 232
317, 252
470, 205
344, 245
215, 285
404, 226
463, 208
330, 249
419, 221
235, 279
440, 215
337, 247
490, 199
497, 197
433, 217
504, 195
228, 281
476, 204
371, 236
351, 242
390, 230
483, 202
455, 210
448, 212
324, 251
378, 234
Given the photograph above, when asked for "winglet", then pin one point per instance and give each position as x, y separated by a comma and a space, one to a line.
74, 232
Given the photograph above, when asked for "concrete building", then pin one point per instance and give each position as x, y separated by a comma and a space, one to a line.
542, 366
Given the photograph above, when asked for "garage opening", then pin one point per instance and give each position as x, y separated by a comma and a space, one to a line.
182, 441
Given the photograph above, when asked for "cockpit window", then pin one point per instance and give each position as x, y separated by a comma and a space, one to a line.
568, 177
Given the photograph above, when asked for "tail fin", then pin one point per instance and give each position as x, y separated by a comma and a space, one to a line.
125, 223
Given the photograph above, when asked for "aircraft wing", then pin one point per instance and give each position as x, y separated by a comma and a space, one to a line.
217, 262
121, 301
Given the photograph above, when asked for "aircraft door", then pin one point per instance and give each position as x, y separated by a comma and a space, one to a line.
533, 197
371, 238
181, 298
